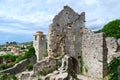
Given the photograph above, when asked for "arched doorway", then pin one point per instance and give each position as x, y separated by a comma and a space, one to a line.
74, 65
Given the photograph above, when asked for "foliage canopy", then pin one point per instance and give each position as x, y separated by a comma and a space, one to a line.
112, 29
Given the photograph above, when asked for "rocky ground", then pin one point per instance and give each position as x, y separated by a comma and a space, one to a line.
81, 77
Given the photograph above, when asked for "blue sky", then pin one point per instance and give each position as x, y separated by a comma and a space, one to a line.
20, 19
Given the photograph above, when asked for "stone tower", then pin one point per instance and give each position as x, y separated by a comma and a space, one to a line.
39, 44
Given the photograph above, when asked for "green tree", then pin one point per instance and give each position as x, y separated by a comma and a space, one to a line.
30, 52
113, 65
112, 29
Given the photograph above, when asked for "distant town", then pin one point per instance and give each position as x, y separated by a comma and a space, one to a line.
14, 48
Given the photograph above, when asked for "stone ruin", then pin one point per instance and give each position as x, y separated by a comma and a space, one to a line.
39, 44
64, 37
81, 50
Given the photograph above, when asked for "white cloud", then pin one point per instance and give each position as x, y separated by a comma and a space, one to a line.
33, 15
15, 31
90, 2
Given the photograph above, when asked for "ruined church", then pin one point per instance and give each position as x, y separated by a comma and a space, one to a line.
81, 51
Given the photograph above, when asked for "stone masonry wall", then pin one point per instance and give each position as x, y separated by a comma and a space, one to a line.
19, 67
64, 35
45, 65
113, 46
94, 53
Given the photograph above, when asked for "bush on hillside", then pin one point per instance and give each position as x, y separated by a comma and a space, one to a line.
113, 67
112, 29
28, 54
30, 67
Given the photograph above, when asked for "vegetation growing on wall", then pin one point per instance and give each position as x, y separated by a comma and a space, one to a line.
8, 57
83, 67
113, 66
30, 67
7, 61
112, 29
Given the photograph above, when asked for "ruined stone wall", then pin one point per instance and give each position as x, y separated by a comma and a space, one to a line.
64, 35
94, 53
19, 67
113, 46
46, 65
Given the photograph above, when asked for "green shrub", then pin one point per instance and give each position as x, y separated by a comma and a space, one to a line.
8, 77
30, 52
11, 57
3, 77
59, 62
112, 29
113, 65
20, 58
5, 66
30, 67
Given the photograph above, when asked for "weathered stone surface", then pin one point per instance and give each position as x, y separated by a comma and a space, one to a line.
118, 72
113, 48
62, 76
17, 68
66, 71
118, 42
68, 37
69, 64
94, 53
28, 75
111, 44
64, 35
45, 65
25, 75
